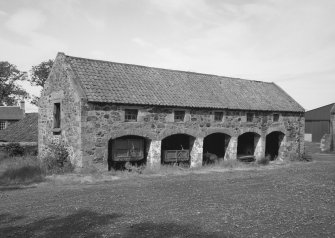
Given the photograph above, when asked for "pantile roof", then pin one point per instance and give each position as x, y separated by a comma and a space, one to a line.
111, 82
25, 130
11, 113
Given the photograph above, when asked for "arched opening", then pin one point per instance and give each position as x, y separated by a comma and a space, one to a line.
273, 144
215, 146
127, 149
246, 146
176, 149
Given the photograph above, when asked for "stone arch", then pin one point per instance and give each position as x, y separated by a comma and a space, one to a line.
226, 131
248, 145
275, 144
170, 132
274, 129
215, 146
250, 129
176, 148
132, 148
116, 134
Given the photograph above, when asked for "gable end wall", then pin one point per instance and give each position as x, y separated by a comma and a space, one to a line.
60, 88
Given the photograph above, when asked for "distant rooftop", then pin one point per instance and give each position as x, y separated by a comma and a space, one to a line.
25, 130
320, 113
11, 113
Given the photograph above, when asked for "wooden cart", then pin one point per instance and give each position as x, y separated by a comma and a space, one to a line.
176, 156
128, 150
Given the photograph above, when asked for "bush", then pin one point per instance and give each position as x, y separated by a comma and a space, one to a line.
56, 160
304, 157
14, 149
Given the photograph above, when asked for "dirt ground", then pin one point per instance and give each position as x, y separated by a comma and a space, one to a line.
296, 200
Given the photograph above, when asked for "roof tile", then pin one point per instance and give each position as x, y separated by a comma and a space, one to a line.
111, 82
11, 113
25, 130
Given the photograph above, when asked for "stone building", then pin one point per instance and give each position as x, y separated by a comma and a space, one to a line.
106, 113
318, 122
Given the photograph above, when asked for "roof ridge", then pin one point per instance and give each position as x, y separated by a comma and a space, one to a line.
11, 106
112, 82
176, 70
276, 85
322, 107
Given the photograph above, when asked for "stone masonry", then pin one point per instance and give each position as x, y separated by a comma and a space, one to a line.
87, 127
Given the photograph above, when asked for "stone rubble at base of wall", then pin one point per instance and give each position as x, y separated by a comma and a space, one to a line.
325, 144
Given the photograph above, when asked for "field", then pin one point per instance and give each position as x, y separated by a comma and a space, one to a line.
283, 200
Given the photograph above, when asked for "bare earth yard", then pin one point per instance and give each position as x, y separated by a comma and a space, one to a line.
296, 200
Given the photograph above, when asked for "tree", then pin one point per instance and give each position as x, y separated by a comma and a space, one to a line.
40, 73
10, 92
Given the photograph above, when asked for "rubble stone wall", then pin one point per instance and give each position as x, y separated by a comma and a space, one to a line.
332, 129
102, 122
60, 88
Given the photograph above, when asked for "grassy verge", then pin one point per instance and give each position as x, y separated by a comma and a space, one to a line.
223, 165
20, 170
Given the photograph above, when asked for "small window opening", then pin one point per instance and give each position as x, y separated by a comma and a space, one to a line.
57, 115
250, 117
179, 116
276, 117
130, 115
2, 125
218, 116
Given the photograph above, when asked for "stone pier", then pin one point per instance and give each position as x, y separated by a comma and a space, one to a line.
196, 153
231, 151
154, 154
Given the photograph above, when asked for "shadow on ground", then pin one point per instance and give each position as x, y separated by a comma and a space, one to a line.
83, 223
11, 188
150, 229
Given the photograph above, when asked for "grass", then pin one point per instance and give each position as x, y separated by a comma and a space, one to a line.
28, 169
20, 170
173, 169
289, 201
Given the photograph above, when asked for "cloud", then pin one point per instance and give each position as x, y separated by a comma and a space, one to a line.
28, 24
97, 23
2, 13
25, 21
97, 54
143, 43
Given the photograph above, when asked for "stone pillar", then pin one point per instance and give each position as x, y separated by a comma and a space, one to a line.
231, 151
196, 152
302, 136
282, 147
260, 147
154, 154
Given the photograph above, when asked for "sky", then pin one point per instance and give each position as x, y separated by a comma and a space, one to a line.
291, 43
